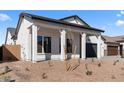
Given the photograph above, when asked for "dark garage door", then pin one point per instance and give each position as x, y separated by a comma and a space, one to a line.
112, 50
91, 50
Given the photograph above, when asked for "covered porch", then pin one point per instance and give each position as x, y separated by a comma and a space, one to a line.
51, 42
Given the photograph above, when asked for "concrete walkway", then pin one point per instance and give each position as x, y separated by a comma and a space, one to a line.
113, 58
107, 59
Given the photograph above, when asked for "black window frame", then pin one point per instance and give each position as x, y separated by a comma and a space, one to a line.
47, 45
39, 44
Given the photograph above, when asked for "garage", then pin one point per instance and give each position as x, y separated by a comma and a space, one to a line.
112, 50
91, 50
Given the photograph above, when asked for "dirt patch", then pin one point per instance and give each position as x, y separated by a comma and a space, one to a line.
55, 71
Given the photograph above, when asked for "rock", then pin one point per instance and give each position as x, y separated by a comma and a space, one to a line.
4, 70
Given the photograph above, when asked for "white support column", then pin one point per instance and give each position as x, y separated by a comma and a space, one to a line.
34, 43
63, 44
83, 45
99, 47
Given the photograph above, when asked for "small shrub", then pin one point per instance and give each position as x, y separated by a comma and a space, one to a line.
115, 62
69, 68
44, 75
89, 72
86, 66
99, 65
76, 66
79, 61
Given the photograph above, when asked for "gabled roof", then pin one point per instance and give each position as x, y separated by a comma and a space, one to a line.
32, 16
75, 17
58, 21
115, 39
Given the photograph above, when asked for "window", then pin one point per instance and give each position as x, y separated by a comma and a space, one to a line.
69, 45
47, 44
39, 44
43, 43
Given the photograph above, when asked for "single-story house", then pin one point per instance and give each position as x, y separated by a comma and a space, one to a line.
114, 46
44, 38
9, 34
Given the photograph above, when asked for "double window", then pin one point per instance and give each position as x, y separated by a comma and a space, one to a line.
43, 43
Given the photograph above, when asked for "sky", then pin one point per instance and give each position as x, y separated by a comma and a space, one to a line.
112, 21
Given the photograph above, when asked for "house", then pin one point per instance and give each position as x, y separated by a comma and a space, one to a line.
114, 46
9, 34
44, 38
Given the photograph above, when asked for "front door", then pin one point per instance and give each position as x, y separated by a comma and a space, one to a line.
91, 50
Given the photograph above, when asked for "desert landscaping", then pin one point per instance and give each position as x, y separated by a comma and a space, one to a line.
90, 70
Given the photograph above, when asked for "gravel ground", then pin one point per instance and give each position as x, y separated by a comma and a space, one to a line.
55, 71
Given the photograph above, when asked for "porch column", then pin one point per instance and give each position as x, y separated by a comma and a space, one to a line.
83, 45
34, 43
63, 44
99, 47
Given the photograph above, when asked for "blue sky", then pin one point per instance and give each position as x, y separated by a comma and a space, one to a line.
112, 21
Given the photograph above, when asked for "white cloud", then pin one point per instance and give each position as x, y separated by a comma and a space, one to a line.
118, 15
4, 17
110, 24
119, 23
122, 12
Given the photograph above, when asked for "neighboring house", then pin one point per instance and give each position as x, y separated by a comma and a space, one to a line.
114, 46
44, 38
10, 33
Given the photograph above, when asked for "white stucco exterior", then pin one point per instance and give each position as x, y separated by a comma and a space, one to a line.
29, 29
23, 37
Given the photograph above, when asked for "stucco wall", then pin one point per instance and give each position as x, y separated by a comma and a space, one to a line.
23, 38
